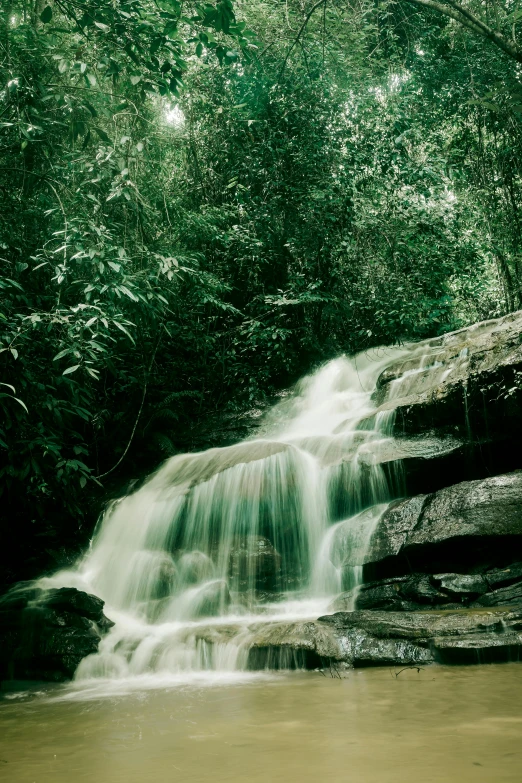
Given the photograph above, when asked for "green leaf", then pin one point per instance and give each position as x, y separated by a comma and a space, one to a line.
124, 330
128, 293
69, 370
102, 134
47, 14
61, 355
24, 406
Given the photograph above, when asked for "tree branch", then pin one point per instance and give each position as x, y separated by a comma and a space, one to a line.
464, 17
299, 34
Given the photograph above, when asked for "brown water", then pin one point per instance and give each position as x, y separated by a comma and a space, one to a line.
450, 725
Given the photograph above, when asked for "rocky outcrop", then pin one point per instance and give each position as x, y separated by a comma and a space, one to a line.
446, 380
438, 591
46, 633
472, 525
371, 638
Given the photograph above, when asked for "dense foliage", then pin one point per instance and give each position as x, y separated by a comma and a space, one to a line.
199, 202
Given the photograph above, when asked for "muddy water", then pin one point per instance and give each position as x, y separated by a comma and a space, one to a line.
440, 725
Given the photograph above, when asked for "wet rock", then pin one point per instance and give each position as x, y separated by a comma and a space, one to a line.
371, 447
504, 596
318, 645
473, 508
369, 638
417, 591
195, 567
447, 379
420, 589
352, 536
375, 595
394, 527
187, 470
255, 564
500, 577
68, 599
428, 624
46, 633
412, 592
362, 649
479, 648
459, 528
293, 645
374, 638
462, 585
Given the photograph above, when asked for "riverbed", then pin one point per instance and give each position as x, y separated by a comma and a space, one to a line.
436, 725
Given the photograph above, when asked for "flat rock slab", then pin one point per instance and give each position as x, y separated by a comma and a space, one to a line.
415, 592
438, 366
426, 625
366, 638
478, 648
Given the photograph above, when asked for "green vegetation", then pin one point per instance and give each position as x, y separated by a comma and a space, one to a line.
199, 202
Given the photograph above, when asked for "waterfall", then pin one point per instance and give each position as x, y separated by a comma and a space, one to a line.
217, 542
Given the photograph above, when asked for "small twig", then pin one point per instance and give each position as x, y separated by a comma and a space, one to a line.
333, 671
412, 666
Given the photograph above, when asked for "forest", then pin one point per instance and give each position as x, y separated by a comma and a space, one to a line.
202, 202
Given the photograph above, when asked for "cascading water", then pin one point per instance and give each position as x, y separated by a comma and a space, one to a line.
220, 541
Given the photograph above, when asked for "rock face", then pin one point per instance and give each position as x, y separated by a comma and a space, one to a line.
469, 525
442, 569
46, 633
422, 591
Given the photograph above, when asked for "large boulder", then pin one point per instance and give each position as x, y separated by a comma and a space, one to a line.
254, 563
474, 525
46, 633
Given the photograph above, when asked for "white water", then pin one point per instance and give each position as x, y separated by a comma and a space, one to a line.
220, 542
